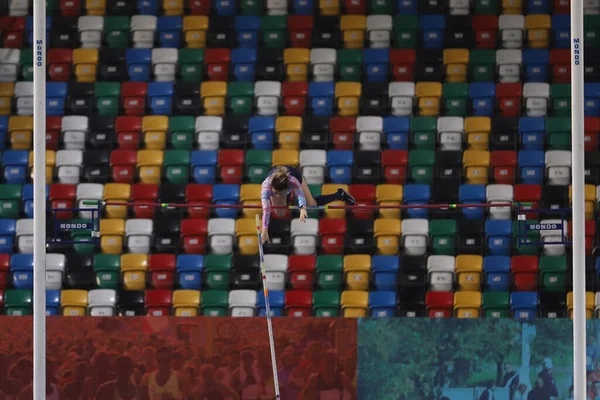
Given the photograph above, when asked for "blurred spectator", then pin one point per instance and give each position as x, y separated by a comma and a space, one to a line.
74, 389
164, 383
225, 374
53, 392
8, 386
122, 387
521, 393
488, 393
539, 391
99, 374
210, 388
289, 360
551, 392
330, 383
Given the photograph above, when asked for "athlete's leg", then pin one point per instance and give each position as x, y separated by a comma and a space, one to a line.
278, 201
310, 200
340, 195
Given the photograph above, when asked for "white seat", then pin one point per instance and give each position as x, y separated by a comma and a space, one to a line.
550, 238
441, 273
323, 62
88, 191
500, 194
74, 128
101, 302
305, 236
537, 96
68, 164
451, 132
208, 131
509, 64
138, 232
24, 95
402, 97
276, 266
9, 64
266, 95
460, 7
221, 233
90, 31
164, 62
512, 28
143, 28
55, 270
18, 8
379, 28
313, 164
415, 236
24, 234
558, 167
277, 7
242, 303
370, 131
591, 7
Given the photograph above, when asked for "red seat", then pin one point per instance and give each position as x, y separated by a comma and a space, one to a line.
143, 193
300, 28
394, 166
53, 127
364, 195
439, 304
4, 270
343, 130
194, 232
162, 270
198, 7
294, 97
528, 194
123, 164
59, 64
62, 196
590, 235
560, 60
231, 164
355, 7
12, 32
486, 31
217, 62
403, 64
509, 99
562, 7
158, 302
525, 273
128, 130
70, 8
198, 194
591, 128
301, 271
133, 95
298, 303
504, 163
332, 232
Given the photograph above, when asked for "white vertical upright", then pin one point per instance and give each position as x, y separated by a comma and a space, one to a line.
39, 199
578, 183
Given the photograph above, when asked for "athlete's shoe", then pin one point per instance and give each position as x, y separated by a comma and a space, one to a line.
346, 197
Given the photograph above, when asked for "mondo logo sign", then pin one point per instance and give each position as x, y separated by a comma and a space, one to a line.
543, 227
75, 225
576, 48
38, 52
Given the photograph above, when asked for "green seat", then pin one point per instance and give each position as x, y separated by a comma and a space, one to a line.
251, 7
487, 7
177, 166
116, 31
326, 303
405, 31
107, 98
191, 65
82, 235
315, 190
258, 165
217, 268
553, 270
443, 236
181, 132
10, 200
274, 31
382, 7
424, 131
495, 304
558, 132
18, 302
215, 303
241, 97
108, 270
455, 99
520, 247
560, 97
591, 28
421, 165
350, 65
26, 64
482, 65
330, 274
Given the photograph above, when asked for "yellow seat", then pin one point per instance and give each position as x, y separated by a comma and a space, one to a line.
288, 132
50, 163
116, 192
112, 231
74, 302
154, 129
456, 62
512, 7
538, 27
85, 62
468, 269
590, 200
477, 130
134, 268
331, 188
149, 164
194, 29
96, 7
428, 94
173, 7
7, 91
387, 233
589, 304
355, 303
347, 95
476, 164
296, 64
467, 304
250, 195
357, 270
329, 7
186, 303
20, 132
213, 97
286, 157
389, 195
245, 230
353, 30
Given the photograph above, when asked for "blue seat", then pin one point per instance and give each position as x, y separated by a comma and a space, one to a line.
339, 164
472, 194
499, 234
408, 7
160, 95
531, 166
262, 132
385, 272
531, 130
303, 7
29, 30
226, 194
56, 93
561, 31
592, 99
52, 302
138, 64
496, 270
538, 6
148, 7
21, 267
3, 130
7, 234
27, 194
382, 304
243, 61
276, 302
15, 165
376, 64
535, 62
396, 131
321, 98
483, 98
225, 8
169, 31
204, 165
417, 194
189, 271
433, 27
524, 305
247, 27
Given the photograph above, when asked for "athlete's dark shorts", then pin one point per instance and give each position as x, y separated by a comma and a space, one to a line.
295, 172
